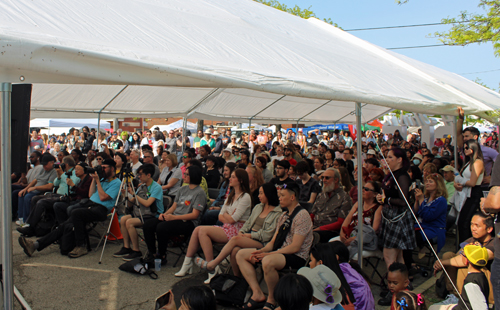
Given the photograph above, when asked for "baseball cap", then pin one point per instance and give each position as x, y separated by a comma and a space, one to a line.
447, 168
476, 254
371, 152
216, 133
208, 132
325, 284
315, 153
227, 149
46, 158
109, 162
283, 163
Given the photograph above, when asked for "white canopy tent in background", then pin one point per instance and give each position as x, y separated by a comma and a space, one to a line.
212, 59
76, 123
176, 125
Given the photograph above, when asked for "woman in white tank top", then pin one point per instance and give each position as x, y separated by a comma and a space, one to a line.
474, 171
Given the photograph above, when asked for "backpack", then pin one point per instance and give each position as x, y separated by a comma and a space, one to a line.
441, 290
139, 266
229, 290
67, 241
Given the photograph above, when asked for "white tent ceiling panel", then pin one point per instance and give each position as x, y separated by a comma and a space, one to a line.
211, 44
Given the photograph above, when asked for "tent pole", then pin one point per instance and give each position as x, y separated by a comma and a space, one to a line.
455, 143
184, 128
360, 184
98, 125
249, 126
6, 193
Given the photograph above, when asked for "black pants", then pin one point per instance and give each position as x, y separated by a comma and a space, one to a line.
51, 237
80, 218
408, 254
468, 210
46, 202
326, 235
163, 231
63, 210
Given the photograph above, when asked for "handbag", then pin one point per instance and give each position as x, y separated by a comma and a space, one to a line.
139, 266
285, 229
229, 290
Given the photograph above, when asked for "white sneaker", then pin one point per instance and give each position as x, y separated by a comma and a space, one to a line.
19, 222
450, 300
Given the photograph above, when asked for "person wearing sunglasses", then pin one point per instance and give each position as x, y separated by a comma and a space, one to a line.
331, 207
468, 187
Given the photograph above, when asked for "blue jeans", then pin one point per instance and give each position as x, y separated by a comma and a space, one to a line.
24, 203
495, 281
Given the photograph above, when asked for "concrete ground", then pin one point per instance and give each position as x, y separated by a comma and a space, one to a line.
49, 280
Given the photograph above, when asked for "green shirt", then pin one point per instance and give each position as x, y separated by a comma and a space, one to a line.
450, 189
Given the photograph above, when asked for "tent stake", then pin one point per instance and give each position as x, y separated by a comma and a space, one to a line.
6, 193
360, 184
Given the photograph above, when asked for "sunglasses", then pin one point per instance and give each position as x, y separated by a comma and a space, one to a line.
368, 189
184, 156
466, 148
329, 297
99, 158
325, 178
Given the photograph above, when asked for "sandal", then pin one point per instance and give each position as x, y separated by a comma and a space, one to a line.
269, 306
200, 262
254, 304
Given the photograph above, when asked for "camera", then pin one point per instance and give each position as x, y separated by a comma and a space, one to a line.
127, 168
98, 169
62, 166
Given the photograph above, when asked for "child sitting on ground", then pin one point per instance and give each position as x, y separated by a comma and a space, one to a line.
476, 288
406, 300
397, 280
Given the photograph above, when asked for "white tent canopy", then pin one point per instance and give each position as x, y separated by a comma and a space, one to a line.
222, 59
176, 125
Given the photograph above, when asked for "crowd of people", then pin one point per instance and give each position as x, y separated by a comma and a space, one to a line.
285, 202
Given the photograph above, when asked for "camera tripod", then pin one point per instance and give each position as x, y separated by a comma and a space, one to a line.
125, 185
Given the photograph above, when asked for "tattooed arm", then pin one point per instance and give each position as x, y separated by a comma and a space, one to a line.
491, 204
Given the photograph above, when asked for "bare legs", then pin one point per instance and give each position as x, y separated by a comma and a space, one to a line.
204, 236
236, 241
270, 265
393, 255
128, 226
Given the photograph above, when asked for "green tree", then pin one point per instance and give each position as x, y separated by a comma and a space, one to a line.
296, 10
471, 28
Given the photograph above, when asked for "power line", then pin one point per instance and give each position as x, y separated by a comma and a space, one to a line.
480, 72
404, 26
419, 46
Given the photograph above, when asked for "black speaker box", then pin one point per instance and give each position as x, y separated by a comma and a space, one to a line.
20, 122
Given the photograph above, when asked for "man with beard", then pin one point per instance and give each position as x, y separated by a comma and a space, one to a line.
288, 156
281, 174
103, 193
331, 207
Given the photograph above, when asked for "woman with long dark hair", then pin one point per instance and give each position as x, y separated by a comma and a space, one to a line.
233, 215
136, 141
397, 223
469, 183
255, 233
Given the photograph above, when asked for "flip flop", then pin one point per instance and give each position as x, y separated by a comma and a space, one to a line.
200, 262
269, 306
254, 304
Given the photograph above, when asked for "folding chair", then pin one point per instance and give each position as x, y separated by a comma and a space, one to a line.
372, 258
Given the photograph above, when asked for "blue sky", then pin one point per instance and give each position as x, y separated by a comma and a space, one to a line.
352, 14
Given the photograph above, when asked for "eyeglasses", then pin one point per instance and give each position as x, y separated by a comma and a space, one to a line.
99, 158
368, 189
325, 177
329, 297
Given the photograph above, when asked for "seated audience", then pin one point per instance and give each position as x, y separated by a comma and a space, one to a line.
331, 206
102, 194
233, 215
211, 216
309, 187
289, 248
171, 177
211, 172
42, 182
281, 173
481, 228
193, 298
476, 288
150, 207
180, 219
148, 157
256, 180
255, 233
261, 162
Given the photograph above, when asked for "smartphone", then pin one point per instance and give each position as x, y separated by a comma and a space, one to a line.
162, 301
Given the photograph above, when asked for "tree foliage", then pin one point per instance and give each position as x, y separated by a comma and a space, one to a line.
471, 28
296, 10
